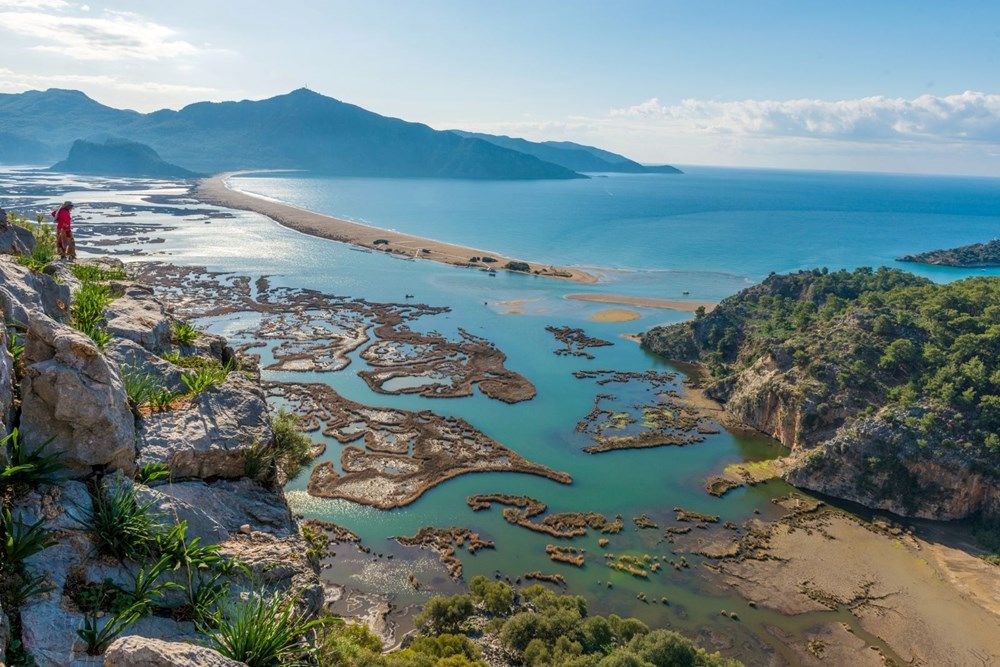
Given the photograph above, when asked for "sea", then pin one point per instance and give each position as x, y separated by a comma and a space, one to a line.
705, 235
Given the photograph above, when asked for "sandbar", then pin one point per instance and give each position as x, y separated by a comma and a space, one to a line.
615, 315
685, 305
216, 190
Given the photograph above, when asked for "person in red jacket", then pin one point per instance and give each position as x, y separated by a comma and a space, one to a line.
64, 231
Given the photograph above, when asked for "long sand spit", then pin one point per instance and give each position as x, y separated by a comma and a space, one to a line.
216, 190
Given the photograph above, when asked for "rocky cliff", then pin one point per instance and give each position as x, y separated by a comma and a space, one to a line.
885, 386
974, 255
130, 471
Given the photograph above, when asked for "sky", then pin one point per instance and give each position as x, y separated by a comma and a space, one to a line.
879, 85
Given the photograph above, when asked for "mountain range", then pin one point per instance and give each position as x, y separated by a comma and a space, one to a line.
298, 130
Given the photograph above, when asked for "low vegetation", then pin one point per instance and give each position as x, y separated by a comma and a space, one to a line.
87, 311
184, 333
93, 273
44, 252
292, 449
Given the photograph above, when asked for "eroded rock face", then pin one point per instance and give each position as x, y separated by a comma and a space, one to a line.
214, 512
6, 389
135, 651
276, 565
211, 437
878, 462
23, 289
139, 317
14, 240
74, 396
131, 354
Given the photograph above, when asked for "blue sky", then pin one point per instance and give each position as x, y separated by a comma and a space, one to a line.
883, 86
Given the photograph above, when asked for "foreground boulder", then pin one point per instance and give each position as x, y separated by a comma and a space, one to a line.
14, 240
135, 651
139, 317
212, 436
22, 289
72, 395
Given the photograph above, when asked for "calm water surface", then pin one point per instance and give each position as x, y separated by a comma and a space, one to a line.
709, 233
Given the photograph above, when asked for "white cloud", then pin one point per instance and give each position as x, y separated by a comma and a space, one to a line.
33, 4
15, 83
113, 36
966, 117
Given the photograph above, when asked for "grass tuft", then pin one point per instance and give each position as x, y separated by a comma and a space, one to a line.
184, 333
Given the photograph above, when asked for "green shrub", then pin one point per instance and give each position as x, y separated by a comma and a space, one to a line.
184, 333
24, 466
447, 649
201, 379
23, 540
97, 635
347, 645
496, 597
146, 587
162, 399
292, 448
263, 631
445, 614
44, 252
152, 472
140, 386
121, 525
87, 312
15, 346
665, 647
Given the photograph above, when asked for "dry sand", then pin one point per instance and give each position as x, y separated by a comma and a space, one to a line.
615, 315
686, 305
215, 190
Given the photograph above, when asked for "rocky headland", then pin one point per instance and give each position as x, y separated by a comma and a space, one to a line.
975, 255
884, 385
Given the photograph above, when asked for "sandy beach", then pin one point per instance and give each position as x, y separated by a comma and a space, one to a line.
685, 305
215, 190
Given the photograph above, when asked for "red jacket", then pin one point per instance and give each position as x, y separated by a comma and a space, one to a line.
62, 218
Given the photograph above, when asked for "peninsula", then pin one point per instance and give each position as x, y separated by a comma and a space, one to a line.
216, 190
976, 255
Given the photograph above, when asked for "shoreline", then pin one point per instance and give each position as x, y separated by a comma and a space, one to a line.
216, 191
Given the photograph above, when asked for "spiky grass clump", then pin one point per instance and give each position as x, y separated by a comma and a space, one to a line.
22, 540
140, 386
184, 333
87, 312
264, 630
93, 273
44, 252
205, 377
121, 525
26, 466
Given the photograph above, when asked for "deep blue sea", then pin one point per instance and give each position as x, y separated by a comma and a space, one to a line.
709, 231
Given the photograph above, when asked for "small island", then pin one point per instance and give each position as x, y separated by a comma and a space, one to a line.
976, 255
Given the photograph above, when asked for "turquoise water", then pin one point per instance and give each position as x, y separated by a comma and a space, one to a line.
709, 232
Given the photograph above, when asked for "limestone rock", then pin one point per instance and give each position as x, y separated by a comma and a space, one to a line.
211, 345
276, 565
138, 316
6, 389
24, 289
59, 504
214, 512
72, 394
14, 240
136, 651
4, 635
48, 627
129, 353
209, 438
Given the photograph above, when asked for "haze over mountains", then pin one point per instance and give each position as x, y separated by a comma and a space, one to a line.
298, 130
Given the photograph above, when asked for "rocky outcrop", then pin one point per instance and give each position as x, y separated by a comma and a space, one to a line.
139, 317
132, 356
14, 240
211, 437
136, 651
22, 289
276, 564
216, 511
72, 395
805, 359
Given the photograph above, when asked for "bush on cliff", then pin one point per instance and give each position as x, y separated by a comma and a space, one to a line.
922, 357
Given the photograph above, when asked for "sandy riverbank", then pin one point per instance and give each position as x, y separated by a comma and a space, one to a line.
685, 305
215, 190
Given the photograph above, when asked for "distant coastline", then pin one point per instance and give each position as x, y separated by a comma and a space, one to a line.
216, 190
974, 256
